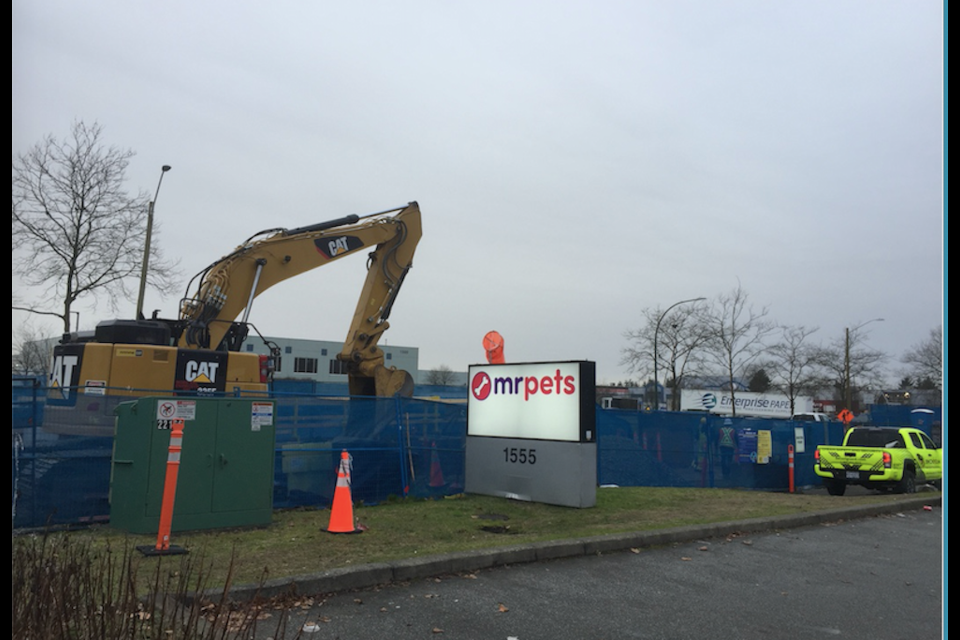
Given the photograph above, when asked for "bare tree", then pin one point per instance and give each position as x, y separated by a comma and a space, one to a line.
847, 360
736, 336
441, 376
680, 335
794, 364
31, 351
926, 358
76, 232
637, 356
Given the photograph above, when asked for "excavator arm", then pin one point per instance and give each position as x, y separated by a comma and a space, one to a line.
229, 286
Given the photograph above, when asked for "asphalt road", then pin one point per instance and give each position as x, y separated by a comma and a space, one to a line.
864, 576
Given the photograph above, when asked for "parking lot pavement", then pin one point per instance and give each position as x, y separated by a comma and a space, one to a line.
364, 576
597, 588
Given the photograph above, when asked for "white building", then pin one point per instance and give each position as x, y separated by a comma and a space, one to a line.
317, 359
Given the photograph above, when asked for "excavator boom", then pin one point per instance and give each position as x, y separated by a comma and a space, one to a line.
229, 286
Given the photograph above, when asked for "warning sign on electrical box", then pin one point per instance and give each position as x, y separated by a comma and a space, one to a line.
261, 415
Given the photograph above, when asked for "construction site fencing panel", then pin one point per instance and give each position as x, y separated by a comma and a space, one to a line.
61, 460
927, 419
398, 446
684, 449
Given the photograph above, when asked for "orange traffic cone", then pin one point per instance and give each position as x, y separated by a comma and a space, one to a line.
436, 473
341, 513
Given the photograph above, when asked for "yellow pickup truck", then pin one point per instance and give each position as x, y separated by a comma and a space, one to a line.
881, 458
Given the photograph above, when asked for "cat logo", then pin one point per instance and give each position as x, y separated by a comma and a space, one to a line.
201, 372
337, 246
65, 374
65, 368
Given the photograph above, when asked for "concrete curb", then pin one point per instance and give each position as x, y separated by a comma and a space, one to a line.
371, 575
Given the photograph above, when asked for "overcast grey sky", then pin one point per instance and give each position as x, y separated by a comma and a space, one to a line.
575, 162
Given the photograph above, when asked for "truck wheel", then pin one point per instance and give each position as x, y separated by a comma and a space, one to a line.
908, 483
835, 487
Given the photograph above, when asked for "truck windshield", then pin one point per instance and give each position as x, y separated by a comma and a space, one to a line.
888, 438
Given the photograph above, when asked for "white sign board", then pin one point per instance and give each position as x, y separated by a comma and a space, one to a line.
172, 409
763, 405
799, 438
540, 401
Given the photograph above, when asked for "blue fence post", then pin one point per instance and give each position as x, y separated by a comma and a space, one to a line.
404, 483
597, 430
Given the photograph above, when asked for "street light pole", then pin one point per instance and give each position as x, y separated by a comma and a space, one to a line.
656, 336
848, 400
146, 245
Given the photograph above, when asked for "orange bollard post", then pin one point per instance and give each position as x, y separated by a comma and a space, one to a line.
163, 546
341, 513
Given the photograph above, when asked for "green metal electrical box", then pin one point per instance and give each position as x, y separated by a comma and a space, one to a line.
225, 475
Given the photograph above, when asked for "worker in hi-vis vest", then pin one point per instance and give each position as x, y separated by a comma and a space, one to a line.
727, 446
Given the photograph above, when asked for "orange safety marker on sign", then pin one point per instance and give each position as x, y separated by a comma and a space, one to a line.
341, 513
163, 546
493, 345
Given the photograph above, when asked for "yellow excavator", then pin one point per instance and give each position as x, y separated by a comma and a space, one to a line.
199, 352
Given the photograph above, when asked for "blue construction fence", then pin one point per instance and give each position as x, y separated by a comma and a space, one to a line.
61, 459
